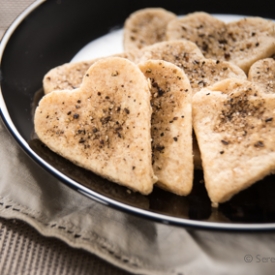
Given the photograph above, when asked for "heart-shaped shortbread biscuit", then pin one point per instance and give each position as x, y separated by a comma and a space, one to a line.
146, 27
202, 72
104, 125
206, 72
242, 42
69, 75
234, 122
177, 52
262, 72
171, 125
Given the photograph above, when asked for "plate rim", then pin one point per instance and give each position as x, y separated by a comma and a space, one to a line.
162, 218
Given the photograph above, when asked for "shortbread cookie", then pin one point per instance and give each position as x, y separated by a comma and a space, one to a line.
185, 54
242, 42
234, 122
103, 126
171, 125
178, 52
67, 76
262, 72
206, 72
146, 27
201, 28
70, 75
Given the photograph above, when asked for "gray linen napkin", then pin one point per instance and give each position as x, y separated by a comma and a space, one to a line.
136, 245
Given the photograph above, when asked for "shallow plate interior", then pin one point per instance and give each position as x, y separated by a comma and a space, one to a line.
34, 44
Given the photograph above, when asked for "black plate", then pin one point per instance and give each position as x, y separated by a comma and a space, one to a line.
50, 33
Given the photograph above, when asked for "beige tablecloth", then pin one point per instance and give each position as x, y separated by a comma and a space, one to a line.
62, 217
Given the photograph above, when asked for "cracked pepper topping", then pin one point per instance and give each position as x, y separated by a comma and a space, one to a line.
243, 112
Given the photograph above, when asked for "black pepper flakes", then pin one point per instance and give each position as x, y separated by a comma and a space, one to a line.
105, 120
175, 138
76, 116
159, 148
259, 144
101, 142
81, 140
202, 82
224, 142
221, 152
204, 46
269, 119
126, 111
227, 56
81, 131
222, 41
160, 92
119, 128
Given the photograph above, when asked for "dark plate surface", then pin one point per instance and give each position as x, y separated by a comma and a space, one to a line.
50, 33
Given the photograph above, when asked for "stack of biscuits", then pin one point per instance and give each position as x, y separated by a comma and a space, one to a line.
188, 92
